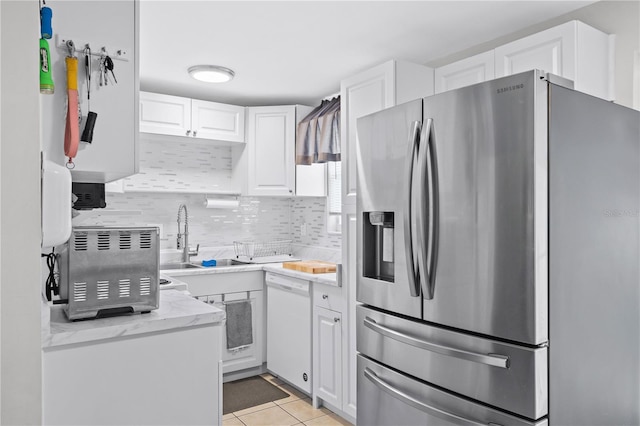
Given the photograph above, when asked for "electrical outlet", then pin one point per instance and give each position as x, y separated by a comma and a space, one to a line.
303, 229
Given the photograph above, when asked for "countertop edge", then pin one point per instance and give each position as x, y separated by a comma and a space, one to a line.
177, 310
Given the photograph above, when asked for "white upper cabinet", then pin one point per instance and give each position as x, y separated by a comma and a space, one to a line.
178, 116
113, 152
468, 71
164, 114
270, 150
572, 50
266, 166
380, 87
211, 120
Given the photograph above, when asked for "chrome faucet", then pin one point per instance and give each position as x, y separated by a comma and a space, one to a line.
183, 239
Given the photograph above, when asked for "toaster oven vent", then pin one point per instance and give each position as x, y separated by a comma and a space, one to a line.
104, 241
103, 289
80, 291
125, 241
80, 242
124, 287
145, 240
145, 286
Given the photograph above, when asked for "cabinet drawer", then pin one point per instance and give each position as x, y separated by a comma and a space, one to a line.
508, 376
328, 297
388, 397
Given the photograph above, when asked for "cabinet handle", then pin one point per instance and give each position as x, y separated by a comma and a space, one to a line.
194, 133
188, 132
336, 319
325, 296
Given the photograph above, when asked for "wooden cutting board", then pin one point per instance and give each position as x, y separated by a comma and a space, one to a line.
311, 266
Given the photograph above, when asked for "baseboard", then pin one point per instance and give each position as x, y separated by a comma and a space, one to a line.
243, 374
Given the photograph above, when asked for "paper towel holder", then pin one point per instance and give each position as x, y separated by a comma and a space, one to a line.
221, 202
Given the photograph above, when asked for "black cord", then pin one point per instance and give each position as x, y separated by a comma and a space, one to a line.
51, 284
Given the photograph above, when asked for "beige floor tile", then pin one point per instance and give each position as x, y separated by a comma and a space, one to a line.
272, 379
339, 419
323, 421
228, 416
274, 416
294, 395
232, 421
303, 410
253, 409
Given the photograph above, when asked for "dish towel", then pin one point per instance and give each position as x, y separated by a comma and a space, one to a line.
239, 324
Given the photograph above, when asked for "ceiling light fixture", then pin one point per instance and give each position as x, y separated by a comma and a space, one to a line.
211, 73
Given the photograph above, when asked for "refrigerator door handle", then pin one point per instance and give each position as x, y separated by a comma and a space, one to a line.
494, 360
428, 208
409, 232
416, 403
434, 209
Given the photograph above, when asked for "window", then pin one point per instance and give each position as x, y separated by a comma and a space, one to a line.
334, 197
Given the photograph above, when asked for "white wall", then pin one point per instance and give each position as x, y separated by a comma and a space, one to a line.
20, 349
621, 18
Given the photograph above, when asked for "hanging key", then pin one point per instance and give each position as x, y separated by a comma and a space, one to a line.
109, 65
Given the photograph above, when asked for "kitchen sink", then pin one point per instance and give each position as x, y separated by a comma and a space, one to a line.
229, 262
168, 266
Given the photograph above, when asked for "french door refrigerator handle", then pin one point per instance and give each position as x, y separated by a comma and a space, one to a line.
423, 199
434, 209
409, 237
416, 403
494, 360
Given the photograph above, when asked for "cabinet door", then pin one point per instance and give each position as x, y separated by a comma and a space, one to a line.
465, 72
362, 94
249, 356
271, 146
212, 120
164, 114
311, 180
328, 356
552, 50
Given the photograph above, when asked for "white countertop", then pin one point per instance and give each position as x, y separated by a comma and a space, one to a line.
327, 279
177, 310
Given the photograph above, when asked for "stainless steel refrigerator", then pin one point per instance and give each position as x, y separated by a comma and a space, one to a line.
498, 253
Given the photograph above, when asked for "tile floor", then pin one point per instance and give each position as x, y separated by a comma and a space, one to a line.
294, 410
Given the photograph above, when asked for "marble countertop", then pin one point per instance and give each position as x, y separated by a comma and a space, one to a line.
177, 310
212, 270
327, 279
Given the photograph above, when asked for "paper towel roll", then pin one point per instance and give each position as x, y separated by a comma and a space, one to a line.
215, 203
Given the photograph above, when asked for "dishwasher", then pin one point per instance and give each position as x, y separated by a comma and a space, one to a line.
289, 329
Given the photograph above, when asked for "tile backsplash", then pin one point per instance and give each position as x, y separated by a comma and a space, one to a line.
187, 166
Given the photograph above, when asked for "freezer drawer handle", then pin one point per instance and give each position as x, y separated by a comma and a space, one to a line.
409, 233
414, 402
494, 360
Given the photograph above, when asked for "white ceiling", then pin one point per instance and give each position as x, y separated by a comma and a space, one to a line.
287, 52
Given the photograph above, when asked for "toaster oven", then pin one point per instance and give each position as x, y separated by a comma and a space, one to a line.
107, 271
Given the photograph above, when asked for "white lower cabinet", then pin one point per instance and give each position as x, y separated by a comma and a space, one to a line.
220, 288
167, 377
327, 357
249, 356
